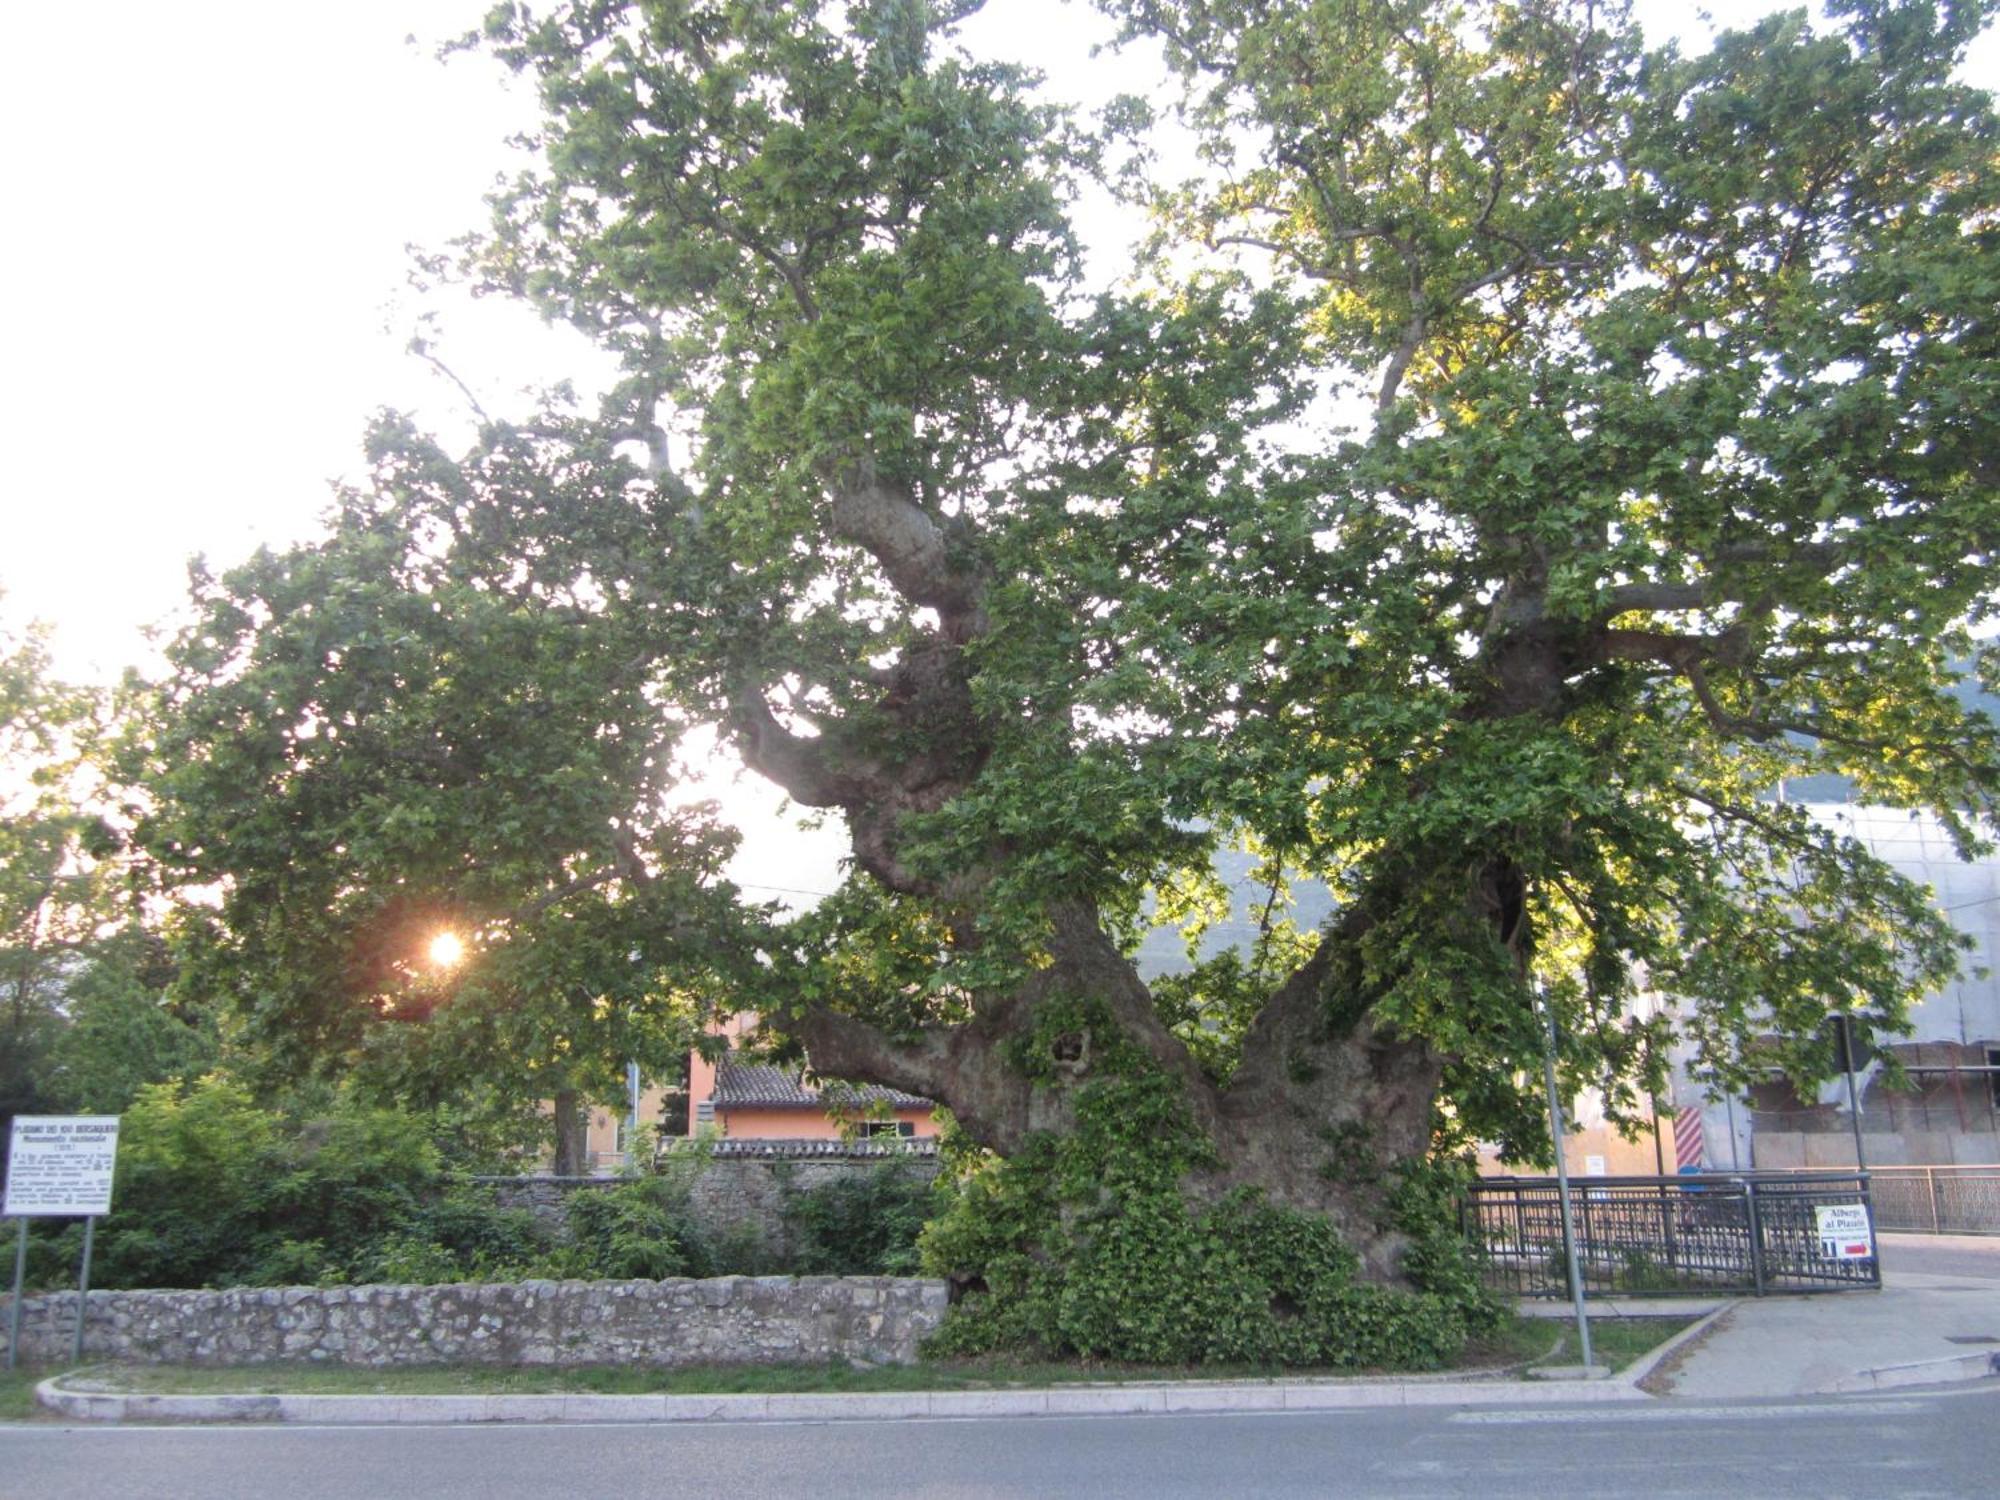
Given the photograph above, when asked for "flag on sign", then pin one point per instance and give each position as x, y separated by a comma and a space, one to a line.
1687, 1139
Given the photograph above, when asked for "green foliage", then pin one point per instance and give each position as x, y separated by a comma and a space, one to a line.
122, 1029
60, 886
412, 1260
1085, 1244
1142, 1276
465, 1230
636, 1229
369, 741
1425, 1205
1523, 448
197, 1170
865, 1225
1212, 1005
215, 1190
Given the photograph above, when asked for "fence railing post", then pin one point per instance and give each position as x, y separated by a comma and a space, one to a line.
1874, 1231
1930, 1181
1755, 1224
1521, 1231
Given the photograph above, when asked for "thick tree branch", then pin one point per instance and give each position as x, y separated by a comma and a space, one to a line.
794, 762
559, 894
1261, 1068
1399, 363
965, 1066
1724, 721
913, 549
1683, 653
1820, 558
844, 1046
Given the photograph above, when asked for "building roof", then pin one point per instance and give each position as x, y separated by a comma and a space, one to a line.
741, 1085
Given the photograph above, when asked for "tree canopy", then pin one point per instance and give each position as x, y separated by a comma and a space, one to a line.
1520, 449
381, 740
84, 1021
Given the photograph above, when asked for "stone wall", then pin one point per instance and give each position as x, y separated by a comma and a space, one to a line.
720, 1320
737, 1193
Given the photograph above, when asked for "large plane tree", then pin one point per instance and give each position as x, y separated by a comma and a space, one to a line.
1520, 450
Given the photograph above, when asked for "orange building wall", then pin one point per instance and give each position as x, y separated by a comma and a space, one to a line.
1621, 1158
701, 1072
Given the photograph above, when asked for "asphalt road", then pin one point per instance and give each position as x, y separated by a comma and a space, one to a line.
1941, 1254
1868, 1448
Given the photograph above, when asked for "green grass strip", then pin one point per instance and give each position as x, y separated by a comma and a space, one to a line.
1617, 1342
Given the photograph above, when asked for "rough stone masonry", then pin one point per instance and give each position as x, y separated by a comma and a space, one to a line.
683, 1321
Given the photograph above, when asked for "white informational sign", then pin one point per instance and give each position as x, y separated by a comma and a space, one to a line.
1844, 1233
59, 1166
1593, 1166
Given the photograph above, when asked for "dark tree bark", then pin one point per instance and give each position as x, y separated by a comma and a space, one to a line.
571, 1133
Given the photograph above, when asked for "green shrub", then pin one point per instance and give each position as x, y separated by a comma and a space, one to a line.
194, 1193
461, 1235
739, 1250
295, 1263
469, 1223
350, 1177
635, 1229
213, 1189
1086, 1244
863, 1225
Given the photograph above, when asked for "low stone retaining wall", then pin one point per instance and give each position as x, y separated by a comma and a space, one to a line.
719, 1320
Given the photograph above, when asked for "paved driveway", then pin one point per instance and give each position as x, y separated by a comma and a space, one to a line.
1976, 1255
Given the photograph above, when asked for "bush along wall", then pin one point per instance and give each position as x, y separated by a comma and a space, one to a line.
1086, 1244
812, 1213
216, 1190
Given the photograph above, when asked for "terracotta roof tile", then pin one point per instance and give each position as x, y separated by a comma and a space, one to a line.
763, 1086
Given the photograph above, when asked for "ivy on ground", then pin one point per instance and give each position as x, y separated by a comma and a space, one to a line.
1088, 1244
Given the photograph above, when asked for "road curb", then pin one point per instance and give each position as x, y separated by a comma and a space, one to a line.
1952, 1368
1060, 1401
1644, 1366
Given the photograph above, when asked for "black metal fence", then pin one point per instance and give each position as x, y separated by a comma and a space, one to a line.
1666, 1236
1937, 1200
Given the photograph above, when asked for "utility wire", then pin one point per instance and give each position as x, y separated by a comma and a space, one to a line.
785, 890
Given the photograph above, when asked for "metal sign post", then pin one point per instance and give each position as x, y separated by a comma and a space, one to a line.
633, 1089
1562, 1188
58, 1166
83, 1287
1849, 1055
14, 1310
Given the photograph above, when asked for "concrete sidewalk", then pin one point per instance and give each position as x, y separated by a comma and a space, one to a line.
1917, 1330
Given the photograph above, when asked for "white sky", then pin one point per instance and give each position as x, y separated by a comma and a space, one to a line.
209, 205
